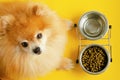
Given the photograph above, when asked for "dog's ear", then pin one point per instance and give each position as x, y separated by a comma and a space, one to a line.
5, 21
39, 9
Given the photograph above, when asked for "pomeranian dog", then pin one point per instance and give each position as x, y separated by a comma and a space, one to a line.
32, 41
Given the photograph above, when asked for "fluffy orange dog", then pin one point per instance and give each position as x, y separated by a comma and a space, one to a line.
32, 41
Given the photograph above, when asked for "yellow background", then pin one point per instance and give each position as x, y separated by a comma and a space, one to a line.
73, 9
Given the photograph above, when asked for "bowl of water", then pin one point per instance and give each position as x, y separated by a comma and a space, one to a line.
93, 25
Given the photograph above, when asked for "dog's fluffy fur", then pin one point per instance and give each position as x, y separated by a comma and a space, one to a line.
21, 22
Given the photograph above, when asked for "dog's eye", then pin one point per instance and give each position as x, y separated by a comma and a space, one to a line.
39, 36
24, 44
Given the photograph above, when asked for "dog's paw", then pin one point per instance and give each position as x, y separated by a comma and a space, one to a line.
69, 24
66, 64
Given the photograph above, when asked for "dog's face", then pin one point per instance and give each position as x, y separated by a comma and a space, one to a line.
35, 44
32, 39
29, 36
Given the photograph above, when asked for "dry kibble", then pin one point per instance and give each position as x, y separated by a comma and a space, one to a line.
94, 59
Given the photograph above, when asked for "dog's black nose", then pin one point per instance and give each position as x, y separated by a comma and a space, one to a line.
37, 50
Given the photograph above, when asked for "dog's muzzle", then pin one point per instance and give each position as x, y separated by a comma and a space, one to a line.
37, 50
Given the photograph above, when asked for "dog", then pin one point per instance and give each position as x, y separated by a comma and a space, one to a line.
32, 41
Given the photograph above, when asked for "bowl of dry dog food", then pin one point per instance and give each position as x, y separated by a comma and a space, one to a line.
94, 59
